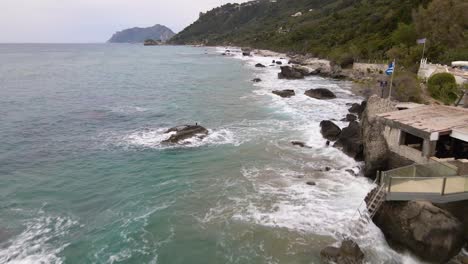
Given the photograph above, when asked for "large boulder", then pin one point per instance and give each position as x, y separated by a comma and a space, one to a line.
181, 133
329, 130
288, 72
302, 69
284, 93
429, 232
259, 65
358, 108
348, 253
376, 151
320, 93
350, 141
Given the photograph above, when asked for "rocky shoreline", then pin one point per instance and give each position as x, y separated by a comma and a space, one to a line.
433, 233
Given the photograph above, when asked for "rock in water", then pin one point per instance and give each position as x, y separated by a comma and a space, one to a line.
279, 62
350, 141
284, 93
299, 144
330, 130
320, 93
358, 108
186, 132
288, 72
257, 80
429, 232
259, 65
348, 253
350, 118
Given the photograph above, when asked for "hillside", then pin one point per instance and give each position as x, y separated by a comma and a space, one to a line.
338, 29
139, 35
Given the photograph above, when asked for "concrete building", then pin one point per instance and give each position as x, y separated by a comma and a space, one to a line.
432, 140
428, 132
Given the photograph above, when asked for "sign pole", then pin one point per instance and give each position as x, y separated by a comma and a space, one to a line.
391, 80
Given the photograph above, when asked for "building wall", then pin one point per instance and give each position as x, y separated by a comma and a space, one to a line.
393, 135
426, 70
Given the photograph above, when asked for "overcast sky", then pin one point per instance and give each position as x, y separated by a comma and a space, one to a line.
77, 21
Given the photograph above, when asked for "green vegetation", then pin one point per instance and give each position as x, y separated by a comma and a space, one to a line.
407, 87
341, 30
443, 87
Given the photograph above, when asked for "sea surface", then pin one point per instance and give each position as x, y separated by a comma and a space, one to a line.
84, 177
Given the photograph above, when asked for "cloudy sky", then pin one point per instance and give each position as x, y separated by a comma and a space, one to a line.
77, 21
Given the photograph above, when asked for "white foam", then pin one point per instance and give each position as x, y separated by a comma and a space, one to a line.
33, 244
153, 138
283, 200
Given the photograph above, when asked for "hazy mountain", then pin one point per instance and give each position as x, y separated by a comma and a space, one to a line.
139, 35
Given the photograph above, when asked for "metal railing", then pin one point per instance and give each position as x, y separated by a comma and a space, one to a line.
434, 181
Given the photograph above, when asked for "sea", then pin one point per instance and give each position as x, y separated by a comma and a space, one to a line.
86, 178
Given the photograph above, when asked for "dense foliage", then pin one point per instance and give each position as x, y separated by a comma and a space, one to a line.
443, 87
339, 29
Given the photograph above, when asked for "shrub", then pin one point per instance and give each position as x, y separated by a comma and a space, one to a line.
406, 87
443, 87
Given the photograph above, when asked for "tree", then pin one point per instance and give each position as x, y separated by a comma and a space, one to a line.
443, 87
405, 34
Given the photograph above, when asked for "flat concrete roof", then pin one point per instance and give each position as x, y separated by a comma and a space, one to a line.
460, 133
430, 120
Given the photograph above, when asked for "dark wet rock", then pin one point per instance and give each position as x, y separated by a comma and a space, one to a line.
279, 62
302, 69
185, 132
311, 183
350, 118
284, 93
330, 130
256, 80
348, 253
358, 108
224, 54
259, 65
351, 172
273, 61
327, 169
320, 93
299, 144
246, 52
429, 232
350, 141
288, 72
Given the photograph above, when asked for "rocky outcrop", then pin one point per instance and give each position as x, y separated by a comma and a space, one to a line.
284, 93
376, 152
348, 253
246, 51
350, 118
429, 232
299, 144
288, 72
330, 130
350, 141
358, 109
320, 93
303, 69
259, 65
181, 133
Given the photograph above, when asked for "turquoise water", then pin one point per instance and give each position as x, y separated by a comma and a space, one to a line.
85, 178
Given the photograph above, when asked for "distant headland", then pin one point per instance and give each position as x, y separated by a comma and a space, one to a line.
140, 35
